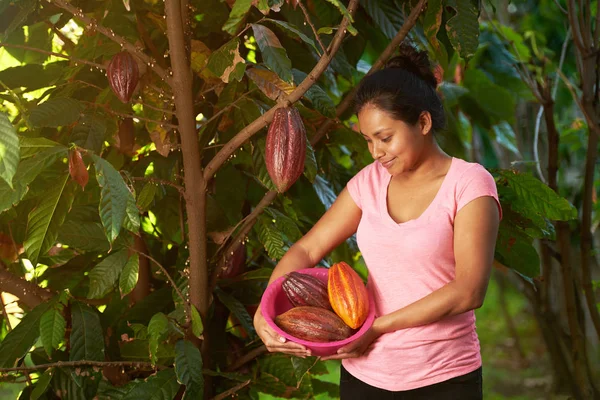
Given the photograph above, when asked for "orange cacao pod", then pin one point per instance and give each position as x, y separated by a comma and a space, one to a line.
314, 324
348, 295
123, 75
305, 290
286, 148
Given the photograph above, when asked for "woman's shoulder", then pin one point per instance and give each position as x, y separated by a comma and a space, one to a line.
467, 169
371, 173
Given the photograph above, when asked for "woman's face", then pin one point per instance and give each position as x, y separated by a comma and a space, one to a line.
397, 145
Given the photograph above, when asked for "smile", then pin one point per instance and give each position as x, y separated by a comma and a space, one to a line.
388, 163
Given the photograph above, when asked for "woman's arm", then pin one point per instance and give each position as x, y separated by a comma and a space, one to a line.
475, 232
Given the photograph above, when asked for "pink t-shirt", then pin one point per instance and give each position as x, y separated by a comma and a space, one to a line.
406, 262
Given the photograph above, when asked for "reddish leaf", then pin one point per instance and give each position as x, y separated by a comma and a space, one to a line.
77, 168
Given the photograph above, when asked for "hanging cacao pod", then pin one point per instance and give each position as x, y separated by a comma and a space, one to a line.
286, 148
123, 75
348, 295
314, 324
305, 290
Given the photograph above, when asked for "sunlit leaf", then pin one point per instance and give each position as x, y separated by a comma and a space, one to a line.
18, 341
238, 14
9, 150
104, 275
129, 276
226, 62
52, 329
269, 83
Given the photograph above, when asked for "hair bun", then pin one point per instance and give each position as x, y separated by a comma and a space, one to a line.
412, 60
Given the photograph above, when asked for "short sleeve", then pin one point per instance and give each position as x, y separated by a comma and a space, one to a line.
360, 186
353, 187
474, 183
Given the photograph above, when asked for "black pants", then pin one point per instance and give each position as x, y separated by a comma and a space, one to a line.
464, 387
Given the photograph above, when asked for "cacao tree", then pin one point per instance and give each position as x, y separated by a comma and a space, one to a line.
139, 220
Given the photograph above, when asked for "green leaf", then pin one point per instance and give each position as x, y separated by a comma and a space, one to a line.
260, 167
317, 96
495, 100
197, 325
132, 218
52, 329
46, 219
90, 133
59, 111
236, 17
344, 11
324, 192
273, 53
114, 197
129, 275
386, 15
104, 275
226, 62
463, 27
285, 224
302, 366
237, 309
451, 93
161, 386
18, 341
146, 196
87, 338
85, 236
295, 32
271, 238
310, 163
188, 367
533, 196
157, 328
9, 150
41, 385
515, 250
431, 26
506, 137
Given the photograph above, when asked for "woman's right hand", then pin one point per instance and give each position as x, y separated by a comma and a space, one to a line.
274, 342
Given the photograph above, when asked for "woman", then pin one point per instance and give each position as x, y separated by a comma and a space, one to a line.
426, 225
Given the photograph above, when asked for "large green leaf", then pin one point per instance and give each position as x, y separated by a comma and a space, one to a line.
52, 329
463, 27
33, 76
236, 17
59, 111
132, 217
386, 15
114, 198
494, 99
46, 219
188, 367
129, 275
161, 386
285, 224
431, 26
324, 191
226, 62
273, 53
310, 163
85, 236
104, 275
32, 146
87, 339
515, 250
18, 341
293, 31
41, 385
270, 237
237, 309
533, 197
157, 329
90, 132
9, 150
317, 96
197, 325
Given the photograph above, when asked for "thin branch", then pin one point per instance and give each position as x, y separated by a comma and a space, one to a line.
309, 22
536, 139
227, 108
561, 7
84, 363
125, 115
91, 23
231, 391
266, 118
67, 42
51, 53
251, 355
573, 21
170, 280
4, 313
571, 88
179, 188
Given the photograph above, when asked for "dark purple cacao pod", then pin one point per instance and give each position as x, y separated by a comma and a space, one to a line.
314, 324
123, 75
286, 148
306, 290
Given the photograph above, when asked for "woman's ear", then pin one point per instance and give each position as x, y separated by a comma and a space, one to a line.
425, 123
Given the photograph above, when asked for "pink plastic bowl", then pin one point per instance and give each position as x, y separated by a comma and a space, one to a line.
275, 302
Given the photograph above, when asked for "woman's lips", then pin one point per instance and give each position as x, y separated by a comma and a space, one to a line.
387, 164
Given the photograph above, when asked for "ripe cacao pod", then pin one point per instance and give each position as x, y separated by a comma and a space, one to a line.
348, 295
285, 148
314, 324
305, 290
123, 75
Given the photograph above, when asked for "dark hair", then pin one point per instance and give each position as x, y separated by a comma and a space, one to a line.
404, 88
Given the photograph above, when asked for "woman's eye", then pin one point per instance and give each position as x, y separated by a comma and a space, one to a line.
387, 139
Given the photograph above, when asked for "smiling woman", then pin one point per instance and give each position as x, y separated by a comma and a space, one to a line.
426, 225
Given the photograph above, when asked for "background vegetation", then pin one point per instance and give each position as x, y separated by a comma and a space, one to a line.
137, 238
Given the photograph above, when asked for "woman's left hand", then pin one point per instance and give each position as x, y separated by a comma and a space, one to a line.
356, 348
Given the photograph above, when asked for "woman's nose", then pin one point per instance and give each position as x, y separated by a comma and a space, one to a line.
376, 151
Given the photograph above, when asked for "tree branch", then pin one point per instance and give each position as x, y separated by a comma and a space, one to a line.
27, 292
251, 355
267, 117
231, 391
179, 188
124, 115
84, 363
92, 24
309, 22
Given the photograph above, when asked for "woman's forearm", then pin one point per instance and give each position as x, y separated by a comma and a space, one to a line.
451, 299
294, 259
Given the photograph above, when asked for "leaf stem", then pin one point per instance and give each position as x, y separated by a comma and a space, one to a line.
307, 17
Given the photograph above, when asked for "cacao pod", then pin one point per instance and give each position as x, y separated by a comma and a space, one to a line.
314, 324
348, 295
285, 148
123, 75
305, 290
234, 264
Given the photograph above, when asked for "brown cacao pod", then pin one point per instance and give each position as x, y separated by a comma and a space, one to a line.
348, 295
123, 75
286, 148
314, 324
305, 290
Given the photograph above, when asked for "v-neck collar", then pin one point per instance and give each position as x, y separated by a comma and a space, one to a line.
383, 208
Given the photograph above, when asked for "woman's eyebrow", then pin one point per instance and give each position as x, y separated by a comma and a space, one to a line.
378, 132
